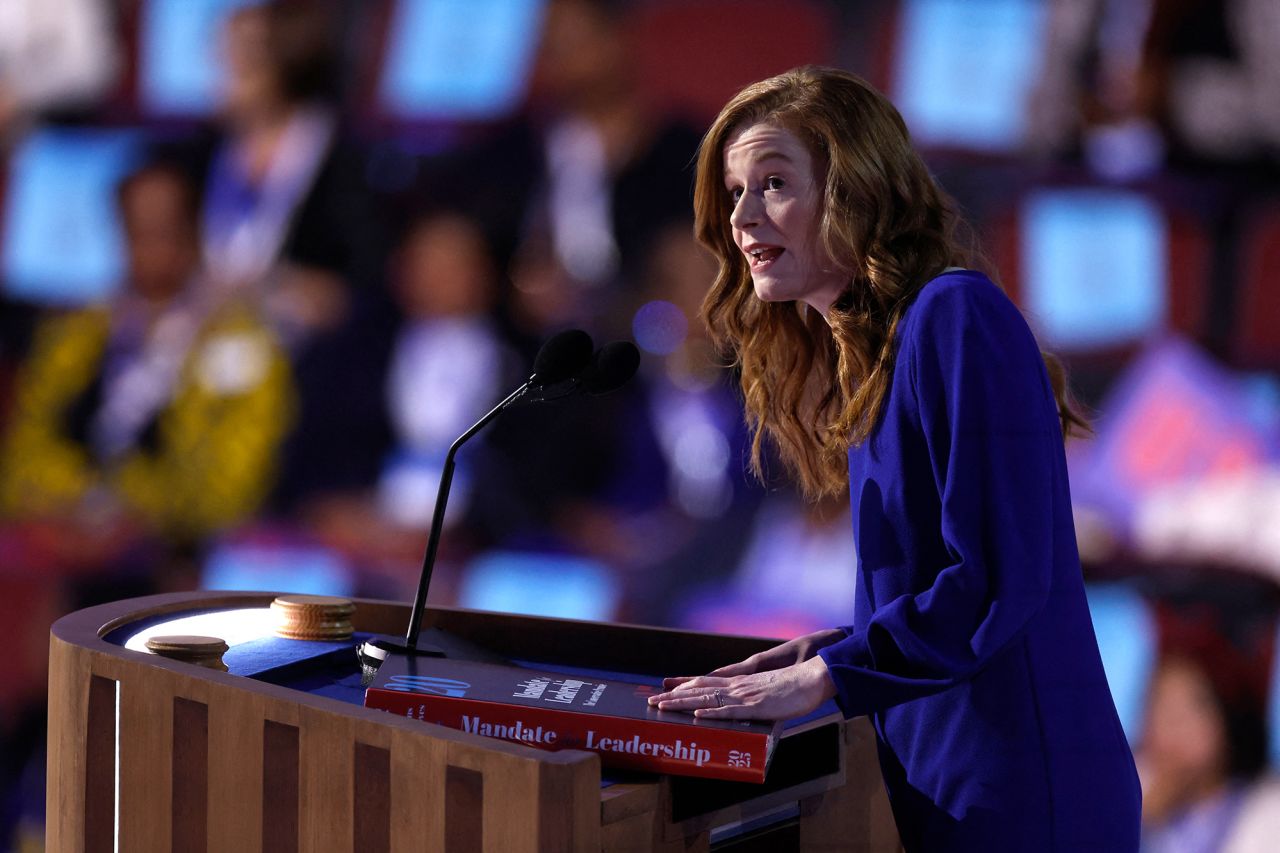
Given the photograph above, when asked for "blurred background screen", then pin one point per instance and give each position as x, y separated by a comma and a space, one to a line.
457, 59
178, 63
963, 71
1095, 267
62, 242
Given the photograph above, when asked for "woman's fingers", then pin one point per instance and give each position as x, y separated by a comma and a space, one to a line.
687, 689
745, 667
691, 700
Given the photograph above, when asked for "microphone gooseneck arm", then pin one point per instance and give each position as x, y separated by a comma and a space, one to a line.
560, 359
437, 520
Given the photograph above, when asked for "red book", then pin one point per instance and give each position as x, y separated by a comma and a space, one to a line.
556, 711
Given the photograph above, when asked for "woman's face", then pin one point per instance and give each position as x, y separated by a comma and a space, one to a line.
777, 208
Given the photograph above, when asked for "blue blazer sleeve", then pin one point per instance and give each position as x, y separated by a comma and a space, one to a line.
991, 435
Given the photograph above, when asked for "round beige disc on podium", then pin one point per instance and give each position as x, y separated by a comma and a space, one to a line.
313, 617
190, 648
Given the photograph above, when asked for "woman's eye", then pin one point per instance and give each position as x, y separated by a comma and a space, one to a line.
735, 194
773, 182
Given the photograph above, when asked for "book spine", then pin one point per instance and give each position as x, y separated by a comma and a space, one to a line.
630, 744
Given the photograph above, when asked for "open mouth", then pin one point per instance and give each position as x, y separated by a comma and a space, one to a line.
763, 258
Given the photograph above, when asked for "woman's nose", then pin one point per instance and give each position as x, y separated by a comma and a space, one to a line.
745, 213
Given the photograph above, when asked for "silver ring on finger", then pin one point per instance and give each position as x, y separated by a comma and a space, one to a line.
719, 698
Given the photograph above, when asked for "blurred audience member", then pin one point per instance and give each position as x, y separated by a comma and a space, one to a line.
161, 411
448, 363
1204, 744
288, 218
577, 188
1221, 81
55, 56
286, 210
1094, 93
1134, 86
447, 366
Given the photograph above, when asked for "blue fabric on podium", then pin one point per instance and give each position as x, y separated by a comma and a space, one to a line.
972, 648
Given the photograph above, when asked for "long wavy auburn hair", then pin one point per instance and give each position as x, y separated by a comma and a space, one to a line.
814, 386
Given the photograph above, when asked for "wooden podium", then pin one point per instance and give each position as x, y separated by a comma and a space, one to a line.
149, 754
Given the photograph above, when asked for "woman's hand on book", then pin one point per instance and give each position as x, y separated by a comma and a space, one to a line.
774, 694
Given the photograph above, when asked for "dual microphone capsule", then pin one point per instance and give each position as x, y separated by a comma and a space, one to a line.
567, 364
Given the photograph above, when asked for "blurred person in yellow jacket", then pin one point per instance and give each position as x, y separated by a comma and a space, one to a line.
159, 413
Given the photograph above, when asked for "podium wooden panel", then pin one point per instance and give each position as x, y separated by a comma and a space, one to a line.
149, 754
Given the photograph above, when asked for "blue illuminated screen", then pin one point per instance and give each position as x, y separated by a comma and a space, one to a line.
458, 59
1094, 267
963, 71
179, 65
1126, 631
555, 585
62, 239
304, 569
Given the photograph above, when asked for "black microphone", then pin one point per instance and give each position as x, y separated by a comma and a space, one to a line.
561, 358
611, 368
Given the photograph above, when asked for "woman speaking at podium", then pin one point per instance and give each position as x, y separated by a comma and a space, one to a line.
873, 359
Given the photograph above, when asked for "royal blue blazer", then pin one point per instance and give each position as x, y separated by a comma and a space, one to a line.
972, 649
